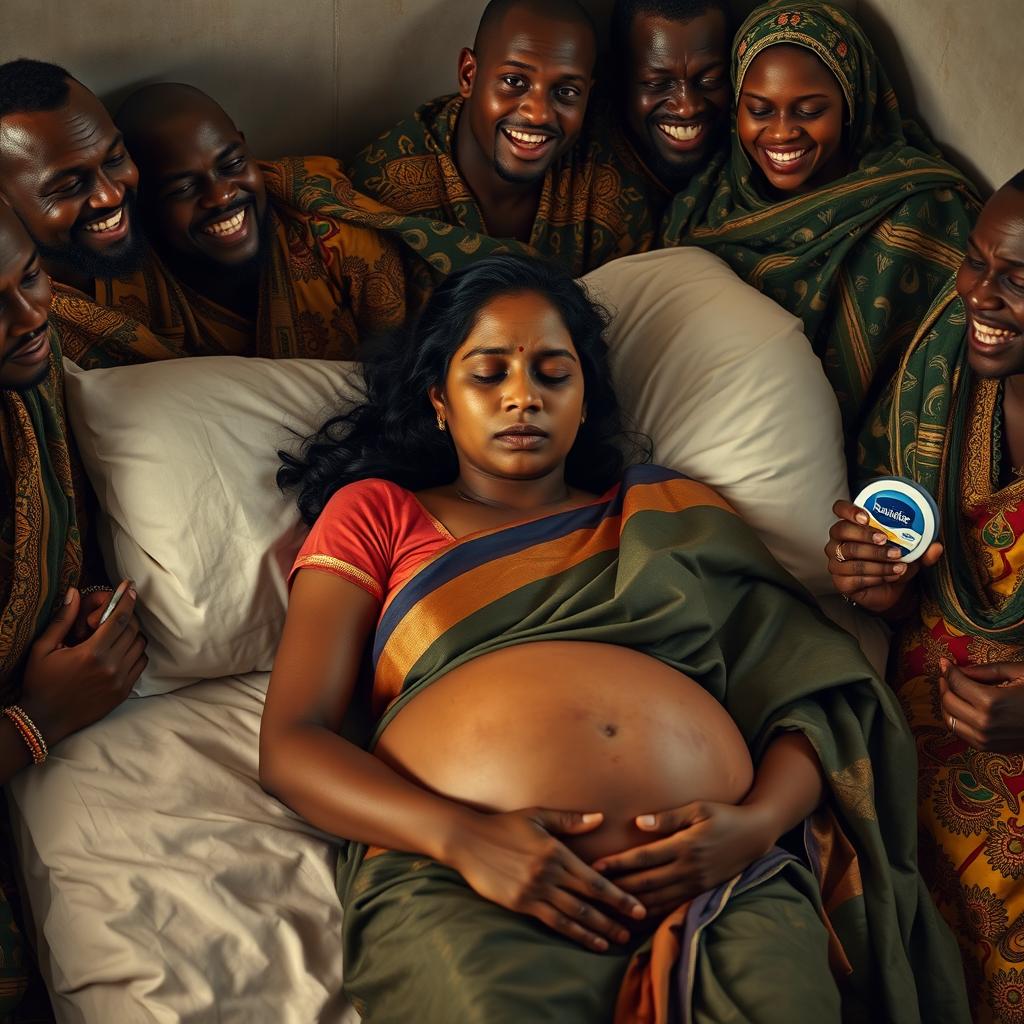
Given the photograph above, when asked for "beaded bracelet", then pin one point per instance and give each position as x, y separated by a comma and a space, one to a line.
95, 589
29, 733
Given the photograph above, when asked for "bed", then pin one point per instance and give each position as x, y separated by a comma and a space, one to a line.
164, 884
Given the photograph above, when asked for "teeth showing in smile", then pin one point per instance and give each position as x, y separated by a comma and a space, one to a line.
107, 225
228, 226
990, 335
526, 138
682, 132
785, 158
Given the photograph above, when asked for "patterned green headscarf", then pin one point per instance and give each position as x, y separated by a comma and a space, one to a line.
860, 259
838, 42
919, 429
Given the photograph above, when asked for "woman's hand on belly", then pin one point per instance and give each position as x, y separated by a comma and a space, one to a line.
513, 859
703, 845
707, 843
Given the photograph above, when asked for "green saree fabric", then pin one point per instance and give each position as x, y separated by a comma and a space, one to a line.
861, 259
662, 565
598, 202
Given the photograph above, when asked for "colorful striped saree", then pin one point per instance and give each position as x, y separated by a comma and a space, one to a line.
662, 565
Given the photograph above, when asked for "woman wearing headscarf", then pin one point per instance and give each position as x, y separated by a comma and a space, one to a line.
828, 202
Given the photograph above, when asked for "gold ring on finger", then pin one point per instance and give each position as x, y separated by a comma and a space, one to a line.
840, 557
952, 725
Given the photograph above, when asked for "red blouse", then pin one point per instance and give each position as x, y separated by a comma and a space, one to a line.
374, 534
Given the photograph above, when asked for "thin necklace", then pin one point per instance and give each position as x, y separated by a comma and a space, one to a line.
477, 499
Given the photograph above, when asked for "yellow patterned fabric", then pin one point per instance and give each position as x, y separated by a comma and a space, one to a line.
597, 202
326, 284
972, 821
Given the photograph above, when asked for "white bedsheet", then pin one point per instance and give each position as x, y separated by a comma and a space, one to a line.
165, 885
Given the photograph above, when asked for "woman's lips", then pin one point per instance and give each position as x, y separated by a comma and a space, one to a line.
787, 159
522, 438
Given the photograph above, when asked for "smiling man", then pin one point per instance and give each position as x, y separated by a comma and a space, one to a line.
516, 154
953, 421
59, 671
234, 244
673, 82
65, 170
239, 265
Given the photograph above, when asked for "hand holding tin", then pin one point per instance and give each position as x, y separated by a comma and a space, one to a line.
865, 564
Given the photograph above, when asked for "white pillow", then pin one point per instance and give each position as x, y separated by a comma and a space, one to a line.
725, 383
182, 455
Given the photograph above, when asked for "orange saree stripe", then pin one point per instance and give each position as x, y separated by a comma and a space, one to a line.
452, 602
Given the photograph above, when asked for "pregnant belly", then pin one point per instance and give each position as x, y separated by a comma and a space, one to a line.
571, 726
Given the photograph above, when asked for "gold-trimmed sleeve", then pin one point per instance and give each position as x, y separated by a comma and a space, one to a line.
348, 571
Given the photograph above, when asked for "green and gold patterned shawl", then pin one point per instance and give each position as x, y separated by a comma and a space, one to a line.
40, 546
919, 429
861, 259
597, 203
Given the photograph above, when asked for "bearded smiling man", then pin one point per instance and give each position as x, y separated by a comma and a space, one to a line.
519, 153
281, 282
65, 170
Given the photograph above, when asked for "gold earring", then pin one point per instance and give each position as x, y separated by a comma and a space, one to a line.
440, 423
583, 418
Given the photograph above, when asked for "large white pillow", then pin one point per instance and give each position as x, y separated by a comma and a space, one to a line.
725, 383
182, 455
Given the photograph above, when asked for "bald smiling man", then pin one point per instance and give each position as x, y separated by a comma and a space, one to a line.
519, 153
240, 261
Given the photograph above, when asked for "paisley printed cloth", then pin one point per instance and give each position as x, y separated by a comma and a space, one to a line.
859, 260
328, 280
40, 543
936, 425
40, 557
598, 202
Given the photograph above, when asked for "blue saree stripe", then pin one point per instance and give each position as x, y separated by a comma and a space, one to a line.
468, 554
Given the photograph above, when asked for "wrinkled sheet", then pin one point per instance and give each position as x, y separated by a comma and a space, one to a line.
165, 885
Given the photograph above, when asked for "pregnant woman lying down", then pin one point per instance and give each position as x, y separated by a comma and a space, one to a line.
595, 755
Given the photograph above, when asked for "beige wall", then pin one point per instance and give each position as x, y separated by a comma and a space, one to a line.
958, 66
326, 75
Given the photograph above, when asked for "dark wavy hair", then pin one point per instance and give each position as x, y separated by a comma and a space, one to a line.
392, 433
